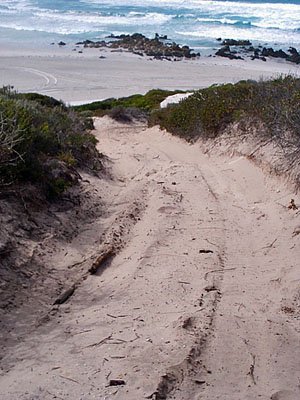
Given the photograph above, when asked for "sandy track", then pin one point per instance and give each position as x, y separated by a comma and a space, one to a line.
201, 301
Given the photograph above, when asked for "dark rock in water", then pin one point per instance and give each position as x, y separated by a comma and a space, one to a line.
137, 36
112, 36
161, 37
90, 43
295, 55
156, 47
226, 52
62, 43
293, 51
270, 52
233, 42
281, 54
85, 42
98, 44
257, 56
223, 51
219, 39
139, 44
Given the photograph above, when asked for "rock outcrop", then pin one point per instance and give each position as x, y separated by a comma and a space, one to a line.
159, 47
225, 51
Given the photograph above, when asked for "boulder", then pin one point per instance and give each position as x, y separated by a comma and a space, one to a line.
294, 55
233, 42
270, 52
226, 52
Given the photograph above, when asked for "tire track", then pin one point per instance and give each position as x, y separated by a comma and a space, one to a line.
49, 78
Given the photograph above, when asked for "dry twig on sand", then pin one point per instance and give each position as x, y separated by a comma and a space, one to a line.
268, 246
104, 256
218, 270
251, 372
99, 343
69, 379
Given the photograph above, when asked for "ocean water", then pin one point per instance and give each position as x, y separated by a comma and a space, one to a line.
194, 22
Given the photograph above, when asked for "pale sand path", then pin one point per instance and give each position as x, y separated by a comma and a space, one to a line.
77, 78
163, 316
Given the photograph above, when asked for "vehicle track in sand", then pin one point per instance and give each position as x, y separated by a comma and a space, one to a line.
201, 301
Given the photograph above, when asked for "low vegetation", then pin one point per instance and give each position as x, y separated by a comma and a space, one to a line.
271, 108
43, 142
145, 103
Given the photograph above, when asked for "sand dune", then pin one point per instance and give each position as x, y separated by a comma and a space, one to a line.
201, 298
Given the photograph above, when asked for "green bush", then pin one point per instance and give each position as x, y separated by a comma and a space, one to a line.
205, 114
268, 108
147, 102
35, 129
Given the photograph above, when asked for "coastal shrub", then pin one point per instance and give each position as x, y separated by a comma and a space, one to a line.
205, 114
42, 100
270, 108
120, 114
35, 130
127, 114
150, 101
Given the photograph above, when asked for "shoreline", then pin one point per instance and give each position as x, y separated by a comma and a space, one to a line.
89, 74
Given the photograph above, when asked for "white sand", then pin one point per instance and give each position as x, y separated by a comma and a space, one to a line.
174, 99
72, 77
164, 315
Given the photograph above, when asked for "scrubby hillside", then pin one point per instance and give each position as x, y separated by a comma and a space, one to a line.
47, 159
43, 142
267, 113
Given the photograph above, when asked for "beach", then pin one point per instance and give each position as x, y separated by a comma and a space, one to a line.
77, 75
169, 272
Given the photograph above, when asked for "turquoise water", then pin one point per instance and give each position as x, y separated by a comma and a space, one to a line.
194, 22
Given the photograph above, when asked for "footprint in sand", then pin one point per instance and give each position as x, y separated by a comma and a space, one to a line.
285, 395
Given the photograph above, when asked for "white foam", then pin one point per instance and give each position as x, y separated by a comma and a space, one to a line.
200, 4
75, 23
208, 19
271, 15
259, 34
222, 21
98, 19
